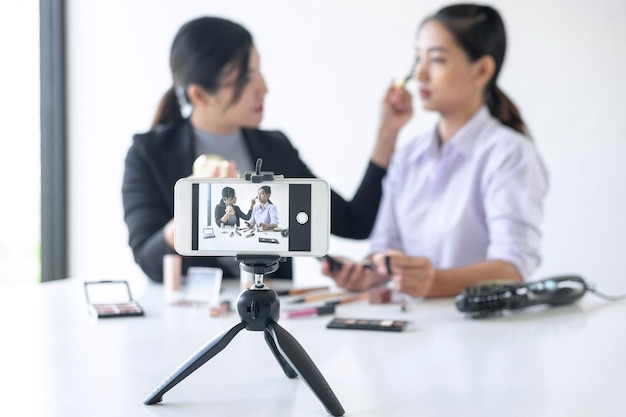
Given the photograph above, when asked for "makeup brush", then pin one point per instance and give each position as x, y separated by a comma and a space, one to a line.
299, 291
406, 79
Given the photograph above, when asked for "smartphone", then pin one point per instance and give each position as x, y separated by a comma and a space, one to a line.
302, 206
335, 264
107, 299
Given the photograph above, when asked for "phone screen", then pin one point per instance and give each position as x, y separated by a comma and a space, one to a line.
244, 229
230, 217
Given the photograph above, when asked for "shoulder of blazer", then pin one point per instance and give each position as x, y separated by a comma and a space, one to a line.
169, 147
170, 137
276, 151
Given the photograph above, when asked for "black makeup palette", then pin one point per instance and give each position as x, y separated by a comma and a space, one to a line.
369, 324
108, 299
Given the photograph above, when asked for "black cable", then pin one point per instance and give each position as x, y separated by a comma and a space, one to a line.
591, 288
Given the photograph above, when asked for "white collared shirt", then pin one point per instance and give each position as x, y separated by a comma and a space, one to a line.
477, 197
264, 213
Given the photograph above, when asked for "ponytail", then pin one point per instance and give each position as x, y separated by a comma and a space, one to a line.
503, 109
168, 110
479, 31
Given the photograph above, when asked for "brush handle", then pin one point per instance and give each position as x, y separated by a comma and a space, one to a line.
553, 291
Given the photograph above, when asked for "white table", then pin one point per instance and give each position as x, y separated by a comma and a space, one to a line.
227, 239
55, 360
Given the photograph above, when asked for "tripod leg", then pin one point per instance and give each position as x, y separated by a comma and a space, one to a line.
212, 348
281, 360
297, 357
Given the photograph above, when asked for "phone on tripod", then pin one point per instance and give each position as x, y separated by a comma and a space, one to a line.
301, 206
289, 217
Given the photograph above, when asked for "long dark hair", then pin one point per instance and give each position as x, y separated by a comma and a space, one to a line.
479, 30
203, 52
227, 192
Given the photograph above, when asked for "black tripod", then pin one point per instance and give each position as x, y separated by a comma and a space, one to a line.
259, 309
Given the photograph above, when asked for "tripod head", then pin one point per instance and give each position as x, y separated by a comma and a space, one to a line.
259, 304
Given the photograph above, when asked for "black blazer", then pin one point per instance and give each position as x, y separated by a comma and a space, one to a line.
158, 158
220, 210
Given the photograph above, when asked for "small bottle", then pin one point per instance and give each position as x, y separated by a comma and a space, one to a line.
172, 270
246, 277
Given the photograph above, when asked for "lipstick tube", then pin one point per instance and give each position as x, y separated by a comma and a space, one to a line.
308, 312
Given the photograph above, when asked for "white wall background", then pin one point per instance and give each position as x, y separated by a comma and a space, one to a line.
327, 64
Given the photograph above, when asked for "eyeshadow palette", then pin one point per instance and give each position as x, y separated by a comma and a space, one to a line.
107, 299
117, 310
369, 324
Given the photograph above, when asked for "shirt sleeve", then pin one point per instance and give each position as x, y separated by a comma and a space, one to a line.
145, 214
515, 189
241, 214
273, 213
253, 217
385, 233
355, 218
352, 218
220, 210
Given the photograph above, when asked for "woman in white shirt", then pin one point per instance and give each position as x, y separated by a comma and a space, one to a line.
462, 203
264, 214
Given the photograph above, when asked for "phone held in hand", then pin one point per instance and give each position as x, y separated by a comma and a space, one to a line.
336, 265
111, 298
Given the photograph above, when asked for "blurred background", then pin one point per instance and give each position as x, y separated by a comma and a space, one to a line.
327, 64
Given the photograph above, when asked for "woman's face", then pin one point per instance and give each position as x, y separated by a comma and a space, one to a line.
262, 196
445, 76
247, 111
230, 200
216, 112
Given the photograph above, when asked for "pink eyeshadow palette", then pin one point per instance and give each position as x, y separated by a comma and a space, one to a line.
117, 310
107, 299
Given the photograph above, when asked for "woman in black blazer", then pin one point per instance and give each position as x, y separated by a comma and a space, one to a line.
216, 74
227, 205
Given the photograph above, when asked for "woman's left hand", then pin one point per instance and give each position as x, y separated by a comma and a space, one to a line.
410, 274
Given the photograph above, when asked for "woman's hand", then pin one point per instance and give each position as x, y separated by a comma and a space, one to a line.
224, 171
228, 211
397, 109
411, 275
352, 276
214, 166
168, 233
